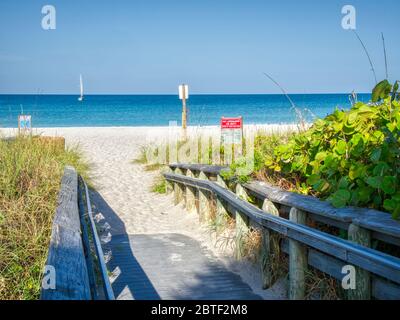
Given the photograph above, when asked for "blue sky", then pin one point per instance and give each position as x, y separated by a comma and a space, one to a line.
218, 46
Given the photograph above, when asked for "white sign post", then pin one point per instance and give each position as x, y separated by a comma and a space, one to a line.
232, 130
183, 91
183, 95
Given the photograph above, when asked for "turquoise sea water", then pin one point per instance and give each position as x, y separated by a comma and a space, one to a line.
158, 110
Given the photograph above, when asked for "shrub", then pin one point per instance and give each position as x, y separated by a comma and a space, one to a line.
350, 157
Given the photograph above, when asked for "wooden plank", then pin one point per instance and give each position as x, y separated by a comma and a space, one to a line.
170, 266
378, 221
385, 290
385, 238
329, 221
66, 253
209, 169
297, 260
381, 288
363, 280
302, 202
321, 261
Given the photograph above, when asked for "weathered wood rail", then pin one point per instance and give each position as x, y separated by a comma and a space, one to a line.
70, 258
287, 213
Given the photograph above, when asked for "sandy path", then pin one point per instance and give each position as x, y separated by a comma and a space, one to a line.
123, 195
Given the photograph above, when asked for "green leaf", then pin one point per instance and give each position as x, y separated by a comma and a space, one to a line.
352, 117
348, 129
395, 88
340, 198
378, 134
321, 185
389, 185
380, 90
357, 170
365, 109
380, 169
341, 147
389, 204
320, 156
364, 194
313, 179
343, 183
391, 126
375, 182
376, 154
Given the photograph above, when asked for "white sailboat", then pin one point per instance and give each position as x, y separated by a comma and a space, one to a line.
81, 85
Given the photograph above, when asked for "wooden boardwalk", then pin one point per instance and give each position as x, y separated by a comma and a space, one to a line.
170, 266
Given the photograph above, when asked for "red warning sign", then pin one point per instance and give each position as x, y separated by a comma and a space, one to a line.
231, 123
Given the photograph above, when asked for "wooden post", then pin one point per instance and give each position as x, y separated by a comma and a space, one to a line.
204, 201
221, 210
169, 186
190, 194
184, 112
178, 189
297, 260
242, 225
363, 279
266, 247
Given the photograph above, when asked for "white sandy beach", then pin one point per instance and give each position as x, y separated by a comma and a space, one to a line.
125, 187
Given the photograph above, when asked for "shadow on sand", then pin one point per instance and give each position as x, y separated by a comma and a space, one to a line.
110, 227
167, 266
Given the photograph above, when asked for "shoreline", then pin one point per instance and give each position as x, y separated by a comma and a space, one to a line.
146, 130
157, 126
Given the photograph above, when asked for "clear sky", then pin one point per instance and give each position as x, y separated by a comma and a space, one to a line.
216, 46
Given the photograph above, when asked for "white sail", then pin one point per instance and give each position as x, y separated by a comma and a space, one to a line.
81, 86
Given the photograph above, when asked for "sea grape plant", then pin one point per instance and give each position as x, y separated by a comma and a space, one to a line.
349, 158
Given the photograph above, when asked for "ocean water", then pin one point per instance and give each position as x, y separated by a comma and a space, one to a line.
158, 110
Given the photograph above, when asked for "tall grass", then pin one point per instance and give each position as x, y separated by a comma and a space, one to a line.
31, 169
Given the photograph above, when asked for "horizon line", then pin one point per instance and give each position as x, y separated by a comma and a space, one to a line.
174, 94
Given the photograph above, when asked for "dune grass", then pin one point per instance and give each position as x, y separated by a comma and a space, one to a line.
159, 185
31, 169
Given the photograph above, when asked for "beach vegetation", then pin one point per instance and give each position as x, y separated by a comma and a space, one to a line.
31, 169
349, 157
153, 167
320, 286
142, 156
159, 185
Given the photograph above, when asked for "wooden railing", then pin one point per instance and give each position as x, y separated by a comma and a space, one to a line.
70, 256
287, 213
